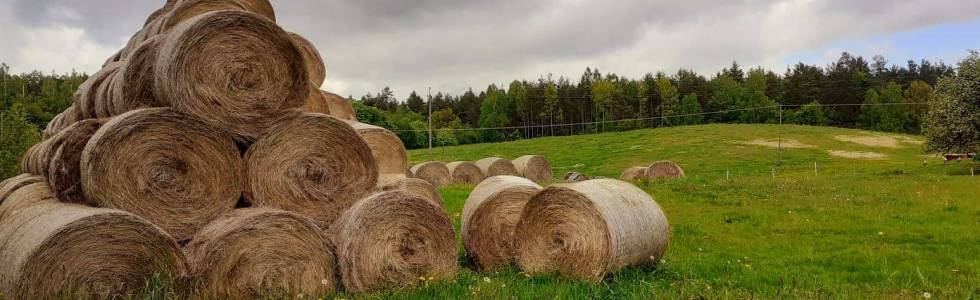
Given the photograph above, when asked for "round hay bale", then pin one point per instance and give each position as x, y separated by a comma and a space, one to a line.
495, 166
572, 177
234, 69
339, 107
390, 239
588, 229
311, 164
664, 169
417, 187
53, 250
634, 174
12, 184
166, 167
133, 88
311, 59
60, 122
316, 102
464, 172
490, 215
534, 167
88, 97
167, 7
33, 159
185, 10
434, 172
64, 171
387, 149
255, 252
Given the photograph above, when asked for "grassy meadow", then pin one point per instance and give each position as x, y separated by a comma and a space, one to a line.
753, 221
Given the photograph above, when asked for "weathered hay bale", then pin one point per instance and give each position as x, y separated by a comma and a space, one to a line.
434, 172
255, 252
166, 167
464, 172
64, 170
417, 187
185, 10
534, 167
60, 122
634, 174
86, 102
311, 59
167, 7
664, 169
133, 83
103, 93
316, 102
236, 70
588, 229
339, 107
312, 164
495, 166
489, 216
387, 149
34, 158
12, 184
52, 250
572, 177
391, 239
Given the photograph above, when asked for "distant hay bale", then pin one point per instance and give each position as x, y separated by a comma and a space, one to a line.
171, 169
489, 216
311, 59
588, 229
254, 252
534, 167
64, 169
387, 149
12, 184
53, 250
236, 70
495, 166
417, 187
391, 239
311, 164
339, 107
634, 174
464, 172
572, 177
664, 169
316, 102
434, 172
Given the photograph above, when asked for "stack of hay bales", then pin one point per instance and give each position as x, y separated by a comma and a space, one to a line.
199, 153
663, 169
533, 167
583, 230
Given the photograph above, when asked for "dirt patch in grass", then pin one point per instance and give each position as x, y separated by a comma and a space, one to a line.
858, 155
910, 140
787, 143
871, 140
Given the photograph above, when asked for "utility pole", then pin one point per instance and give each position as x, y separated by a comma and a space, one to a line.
430, 119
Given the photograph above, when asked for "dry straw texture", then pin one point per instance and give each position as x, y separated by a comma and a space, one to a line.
464, 172
416, 187
311, 59
586, 230
572, 177
391, 239
534, 167
312, 164
166, 167
339, 107
495, 166
54, 250
489, 216
12, 184
316, 102
87, 95
236, 70
133, 83
255, 252
185, 10
634, 174
434, 172
64, 174
387, 150
664, 169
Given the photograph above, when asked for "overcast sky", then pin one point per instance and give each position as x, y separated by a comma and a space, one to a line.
452, 45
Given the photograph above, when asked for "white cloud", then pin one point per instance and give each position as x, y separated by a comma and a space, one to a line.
60, 49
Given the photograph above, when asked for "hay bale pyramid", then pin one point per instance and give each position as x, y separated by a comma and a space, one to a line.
204, 151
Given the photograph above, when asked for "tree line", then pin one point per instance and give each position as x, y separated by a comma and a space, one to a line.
802, 94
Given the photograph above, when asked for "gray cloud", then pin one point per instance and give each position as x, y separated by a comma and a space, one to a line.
452, 45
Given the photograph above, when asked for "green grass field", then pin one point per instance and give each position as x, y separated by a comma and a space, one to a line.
858, 228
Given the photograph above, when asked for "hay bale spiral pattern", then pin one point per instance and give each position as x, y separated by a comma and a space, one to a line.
664, 169
464, 172
495, 166
434, 172
64, 169
490, 215
534, 167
